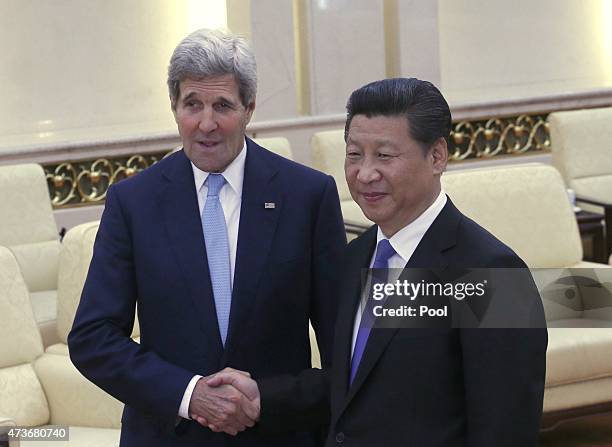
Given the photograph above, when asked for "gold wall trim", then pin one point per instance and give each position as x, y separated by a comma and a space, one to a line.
499, 136
85, 182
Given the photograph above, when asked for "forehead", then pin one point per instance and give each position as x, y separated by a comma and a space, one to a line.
379, 125
379, 128
214, 86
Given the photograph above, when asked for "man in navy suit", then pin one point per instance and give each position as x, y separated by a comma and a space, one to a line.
431, 386
226, 250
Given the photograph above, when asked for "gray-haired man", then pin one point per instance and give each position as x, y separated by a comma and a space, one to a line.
227, 248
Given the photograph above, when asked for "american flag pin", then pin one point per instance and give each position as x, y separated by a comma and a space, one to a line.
269, 205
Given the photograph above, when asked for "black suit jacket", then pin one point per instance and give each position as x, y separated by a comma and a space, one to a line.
150, 251
437, 387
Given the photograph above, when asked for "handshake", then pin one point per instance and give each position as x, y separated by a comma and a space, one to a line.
227, 401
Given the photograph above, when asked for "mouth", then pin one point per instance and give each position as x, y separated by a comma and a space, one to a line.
207, 144
372, 197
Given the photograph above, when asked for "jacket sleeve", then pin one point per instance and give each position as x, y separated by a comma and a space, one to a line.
99, 342
504, 368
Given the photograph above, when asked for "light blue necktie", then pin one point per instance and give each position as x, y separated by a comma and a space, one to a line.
384, 251
217, 251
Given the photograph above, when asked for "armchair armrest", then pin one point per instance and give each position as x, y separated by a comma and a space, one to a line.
74, 400
5, 424
607, 212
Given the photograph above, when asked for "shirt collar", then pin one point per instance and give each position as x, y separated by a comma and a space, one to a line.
234, 173
403, 242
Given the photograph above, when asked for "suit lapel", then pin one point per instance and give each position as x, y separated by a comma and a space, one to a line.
440, 236
179, 204
255, 234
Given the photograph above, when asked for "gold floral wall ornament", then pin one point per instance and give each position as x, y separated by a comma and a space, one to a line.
499, 136
87, 181
62, 182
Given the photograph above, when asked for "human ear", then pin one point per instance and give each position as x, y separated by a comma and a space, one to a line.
439, 155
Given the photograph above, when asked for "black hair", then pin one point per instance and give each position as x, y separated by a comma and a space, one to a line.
424, 107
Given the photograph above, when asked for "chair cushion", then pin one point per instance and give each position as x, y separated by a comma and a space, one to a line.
39, 264
25, 206
21, 341
580, 141
578, 354
44, 305
75, 257
74, 400
328, 154
77, 250
57, 349
28, 226
22, 396
525, 206
578, 394
278, 145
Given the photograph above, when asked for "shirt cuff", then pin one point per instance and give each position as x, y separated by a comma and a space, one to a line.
184, 408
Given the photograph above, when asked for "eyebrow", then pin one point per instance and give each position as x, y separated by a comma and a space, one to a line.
379, 142
218, 99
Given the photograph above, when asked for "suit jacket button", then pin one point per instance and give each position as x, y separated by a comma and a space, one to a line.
340, 437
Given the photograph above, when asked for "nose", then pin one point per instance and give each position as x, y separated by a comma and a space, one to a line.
368, 173
208, 121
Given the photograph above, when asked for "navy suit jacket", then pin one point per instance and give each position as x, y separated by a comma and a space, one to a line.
438, 387
150, 251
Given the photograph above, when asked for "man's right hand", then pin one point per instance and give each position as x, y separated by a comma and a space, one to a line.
222, 407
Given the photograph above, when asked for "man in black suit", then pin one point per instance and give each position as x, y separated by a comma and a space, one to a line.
429, 386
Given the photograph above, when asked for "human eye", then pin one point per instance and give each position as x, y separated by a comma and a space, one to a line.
352, 153
223, 106
191, 104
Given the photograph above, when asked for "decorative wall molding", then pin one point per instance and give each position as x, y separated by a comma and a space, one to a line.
86, 182
74, 183
80, 172
499, 136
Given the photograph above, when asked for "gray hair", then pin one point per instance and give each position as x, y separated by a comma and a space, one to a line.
205, 53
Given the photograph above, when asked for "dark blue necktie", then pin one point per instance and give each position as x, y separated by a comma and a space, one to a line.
384, 251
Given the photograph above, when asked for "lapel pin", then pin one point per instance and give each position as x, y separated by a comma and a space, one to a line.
269, 205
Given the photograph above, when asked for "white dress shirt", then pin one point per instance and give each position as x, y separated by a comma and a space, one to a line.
404, 242
230, 197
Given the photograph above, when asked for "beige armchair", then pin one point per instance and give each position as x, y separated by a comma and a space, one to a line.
28, 228
526, 206
278, 145
328, 153
75, 256
39, 389
581, 142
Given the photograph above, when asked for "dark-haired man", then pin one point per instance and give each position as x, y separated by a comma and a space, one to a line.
422, 387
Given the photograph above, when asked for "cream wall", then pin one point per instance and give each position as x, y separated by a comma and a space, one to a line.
74, 69
500, 49
77, 71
